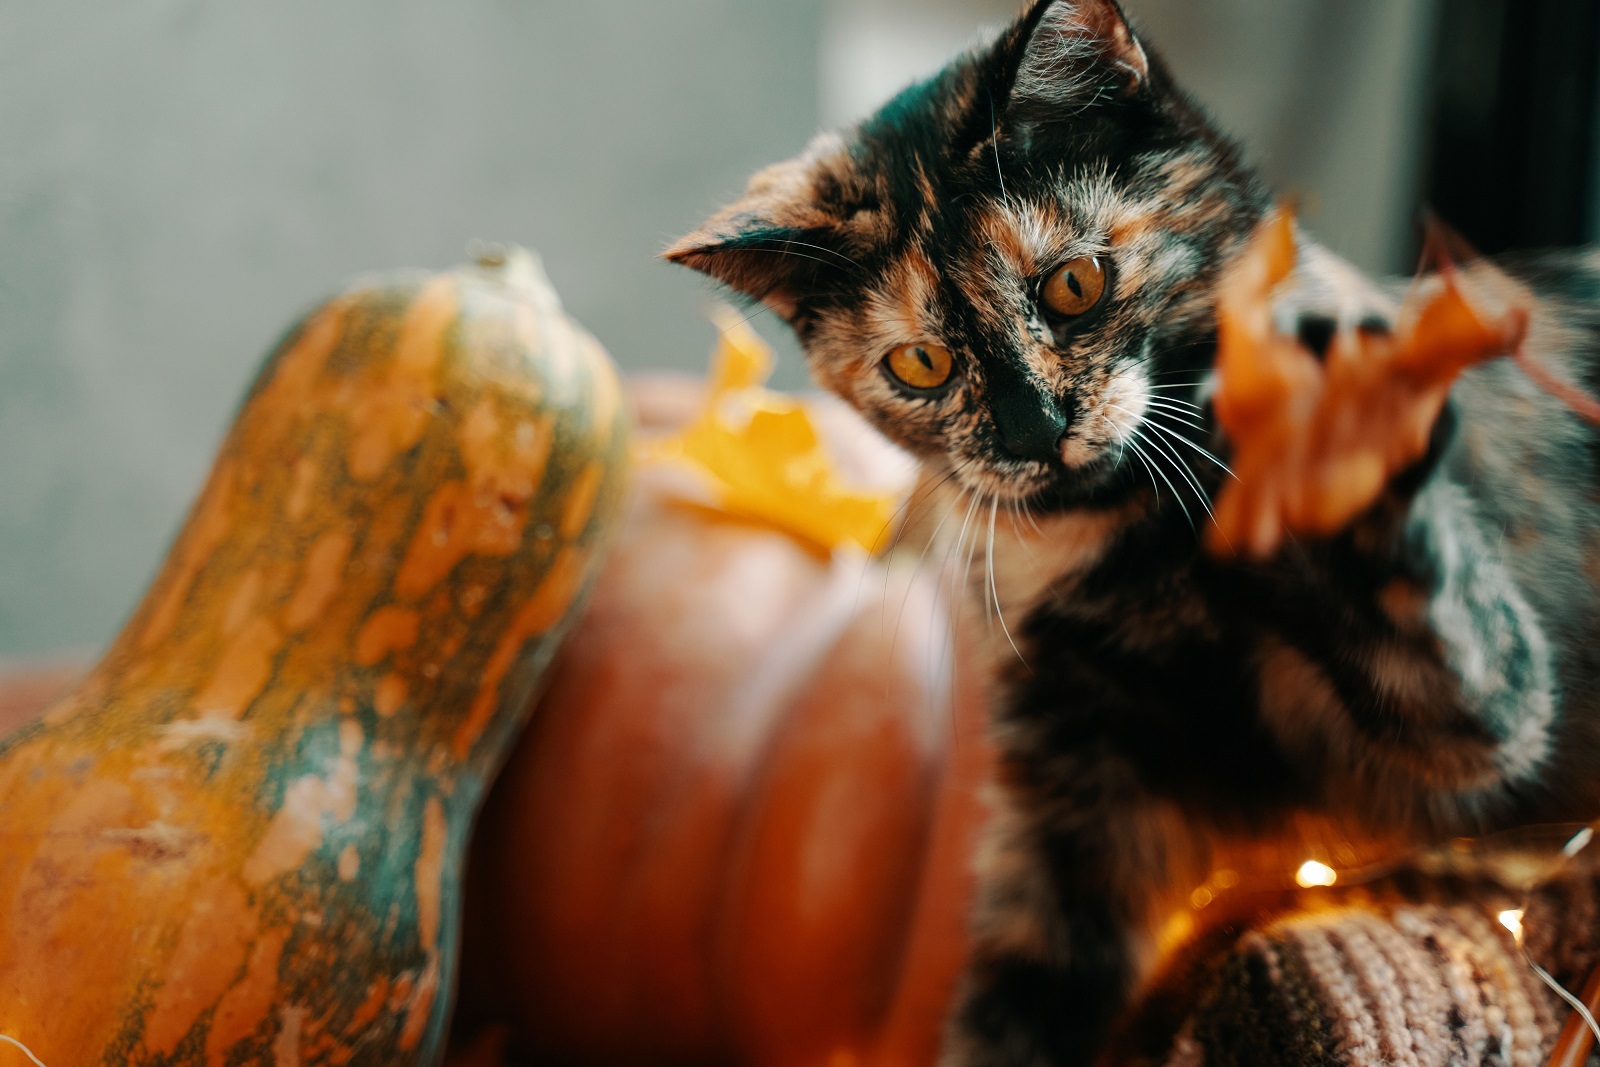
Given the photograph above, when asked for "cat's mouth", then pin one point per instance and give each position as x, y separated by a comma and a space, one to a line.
1132, 434
1041, 486
1112, 422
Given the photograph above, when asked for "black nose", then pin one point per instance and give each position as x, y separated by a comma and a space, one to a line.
1033, 434
1029, 419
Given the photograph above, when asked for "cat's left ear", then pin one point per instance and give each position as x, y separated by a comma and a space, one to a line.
773, 244
1075, 51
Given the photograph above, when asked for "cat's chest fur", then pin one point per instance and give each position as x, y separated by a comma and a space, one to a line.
1039, 558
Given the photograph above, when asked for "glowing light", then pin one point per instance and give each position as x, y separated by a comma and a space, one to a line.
1201, 897
1579, 842
1177, 930
1225, 879
1512, 920
1312, 873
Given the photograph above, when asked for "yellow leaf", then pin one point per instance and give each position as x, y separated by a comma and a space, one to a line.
761, 458
742, 359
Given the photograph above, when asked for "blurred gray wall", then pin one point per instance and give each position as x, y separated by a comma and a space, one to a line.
180, 179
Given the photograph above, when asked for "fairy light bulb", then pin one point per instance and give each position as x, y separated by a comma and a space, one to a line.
1512, 920
1313, 873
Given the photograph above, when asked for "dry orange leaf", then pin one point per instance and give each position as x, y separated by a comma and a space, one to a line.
1314, 443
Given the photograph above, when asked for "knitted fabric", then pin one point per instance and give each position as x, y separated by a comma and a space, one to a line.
1423, 986
1401, 984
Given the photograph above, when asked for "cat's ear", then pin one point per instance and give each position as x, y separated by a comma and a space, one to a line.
774, 243
1075, 51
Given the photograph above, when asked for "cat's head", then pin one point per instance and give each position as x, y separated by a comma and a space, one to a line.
1007, 269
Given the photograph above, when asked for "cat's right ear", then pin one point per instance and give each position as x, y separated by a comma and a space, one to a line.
1073, 52
774, 244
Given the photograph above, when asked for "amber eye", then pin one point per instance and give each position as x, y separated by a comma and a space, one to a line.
1076, 287
920, 366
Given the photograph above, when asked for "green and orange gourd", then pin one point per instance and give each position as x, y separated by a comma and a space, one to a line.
240, 840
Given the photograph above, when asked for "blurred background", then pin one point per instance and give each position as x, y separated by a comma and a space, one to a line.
182, 178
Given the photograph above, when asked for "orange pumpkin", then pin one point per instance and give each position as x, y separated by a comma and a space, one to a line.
739, 825
240, 840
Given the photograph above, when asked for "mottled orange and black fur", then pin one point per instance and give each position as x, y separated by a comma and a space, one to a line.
1432, 671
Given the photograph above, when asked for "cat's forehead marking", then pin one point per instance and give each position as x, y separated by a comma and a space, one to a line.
1150, 253
1021, 236
915, 280
1183, 174
1089, 215
1024, 240
902, 308
928, 194
1194, 197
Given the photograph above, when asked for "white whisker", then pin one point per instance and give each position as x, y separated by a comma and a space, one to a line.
1153, 467
1183, 468
1198, 448
958, 590
1177, 415
961, 539
1138, 453
908, 509
1188, 411
966, 571
797, 255
1163, 475
994, 589
894, 638
1191, 410
994, 133
1027, 513
6, 1039
1016, 526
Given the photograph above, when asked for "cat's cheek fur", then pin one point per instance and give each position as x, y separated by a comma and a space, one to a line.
1108, 419
922, 426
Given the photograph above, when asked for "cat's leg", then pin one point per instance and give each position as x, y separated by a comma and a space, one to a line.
1414, 678
1472, 646
1076, 873
1403, 661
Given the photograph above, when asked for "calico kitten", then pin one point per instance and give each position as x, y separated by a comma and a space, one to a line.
1009, 270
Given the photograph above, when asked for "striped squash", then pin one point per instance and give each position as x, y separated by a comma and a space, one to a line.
240, 840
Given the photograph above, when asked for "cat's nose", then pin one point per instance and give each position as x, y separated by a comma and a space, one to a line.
1031, 424
1036, 436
